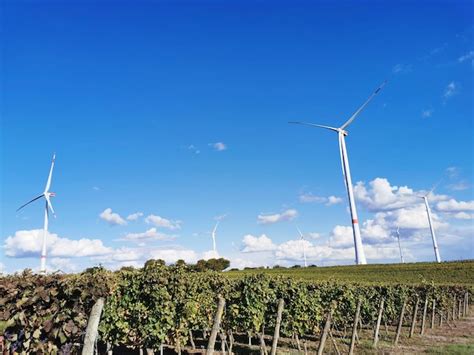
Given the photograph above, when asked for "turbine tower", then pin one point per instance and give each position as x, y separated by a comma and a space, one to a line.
304, 248
214, 237
430, 221
342, 133
48, 206
399, 245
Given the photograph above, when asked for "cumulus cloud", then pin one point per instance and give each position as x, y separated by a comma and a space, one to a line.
163, 222
252, 244
380, 195
219, 146
112, 218
63, 264
287, 215
27, 243
463, 215
455, 206
134, 216
210, 254
150, 234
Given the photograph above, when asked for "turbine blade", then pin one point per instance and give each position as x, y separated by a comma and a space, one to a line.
30, 202
215, 228
301, 234
314, 125
435, 186
359, 110
48, 183
48, 203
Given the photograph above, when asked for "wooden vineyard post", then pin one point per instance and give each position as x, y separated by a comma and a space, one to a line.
440, 318
324, 335
454, 308
354, 328
334, 343
413, 319
216, 325
191, 340
423, 319
92, 326
467, 303
109, 348
379, 320
400, 322
276, 334
460, 309
433, 313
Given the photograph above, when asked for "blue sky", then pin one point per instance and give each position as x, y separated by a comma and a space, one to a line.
133, 97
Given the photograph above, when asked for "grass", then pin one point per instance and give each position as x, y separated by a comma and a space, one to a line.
447, 273
453, 349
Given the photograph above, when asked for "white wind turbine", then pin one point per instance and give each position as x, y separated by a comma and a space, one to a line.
430, 221
304, 248
342, 132
48, 206
214, 247
399, 245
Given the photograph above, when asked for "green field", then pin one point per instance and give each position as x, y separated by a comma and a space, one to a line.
447, 273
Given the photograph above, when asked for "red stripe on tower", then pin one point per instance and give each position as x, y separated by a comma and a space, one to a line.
355, 221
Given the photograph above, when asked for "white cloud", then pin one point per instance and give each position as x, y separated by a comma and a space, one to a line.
172, 255
455, 206
427, 113
463, 215
382, 196
451, 90
341, 237
134, 216
333, 200
251, 244
27, 243
219, 146
287, 215
210, 254
459, 186
309, 197
194, 149
112, 218
163, 222
329, 201
466, 57
402, 68
63, 264
150, 234
96, 188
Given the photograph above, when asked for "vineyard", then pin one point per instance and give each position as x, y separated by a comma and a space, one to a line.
174, 309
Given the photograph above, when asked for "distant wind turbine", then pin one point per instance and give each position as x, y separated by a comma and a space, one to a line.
48, 206
304, 248
214, 237
342, 132
430, 221
399, 245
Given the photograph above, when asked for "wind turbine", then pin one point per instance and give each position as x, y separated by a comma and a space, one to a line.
48, 206
214, 237
399, 245
304, 248
430, 221
342, 132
